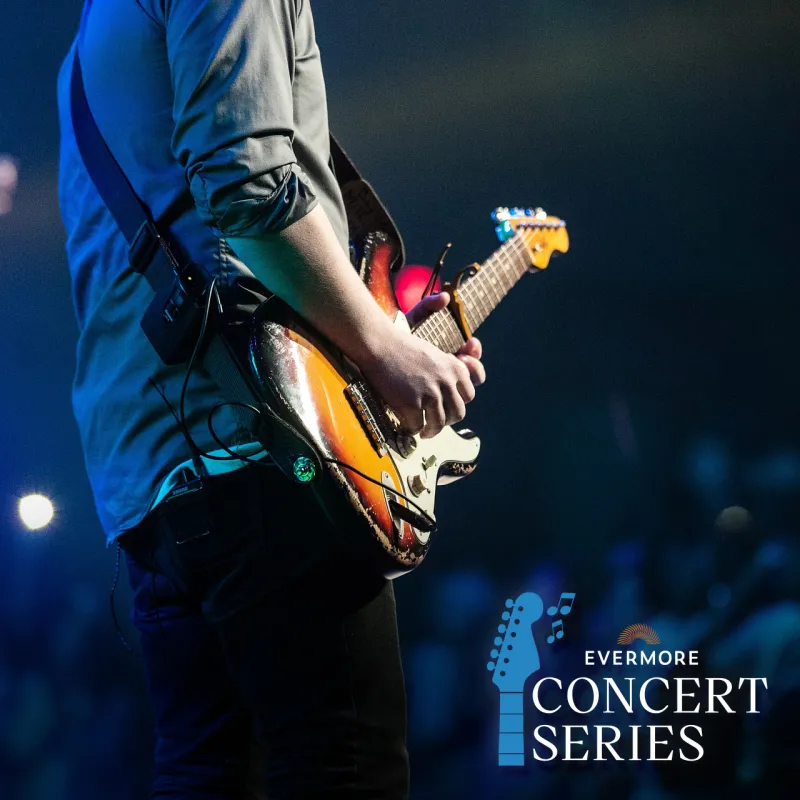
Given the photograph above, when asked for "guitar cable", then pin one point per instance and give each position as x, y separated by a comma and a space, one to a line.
249, 460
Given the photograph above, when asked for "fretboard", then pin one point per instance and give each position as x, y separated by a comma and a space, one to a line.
479, 294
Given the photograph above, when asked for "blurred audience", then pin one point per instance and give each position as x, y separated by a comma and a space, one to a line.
715, 576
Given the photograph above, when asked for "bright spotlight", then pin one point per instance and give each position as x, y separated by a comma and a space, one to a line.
35, 511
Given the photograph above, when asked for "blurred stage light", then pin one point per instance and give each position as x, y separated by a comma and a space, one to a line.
410, 283
734, 519
35, 511
8, 182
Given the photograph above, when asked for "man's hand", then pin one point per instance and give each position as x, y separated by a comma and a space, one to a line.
471, 351
424, 386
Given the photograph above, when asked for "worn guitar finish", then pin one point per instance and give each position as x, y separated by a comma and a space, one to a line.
333, 424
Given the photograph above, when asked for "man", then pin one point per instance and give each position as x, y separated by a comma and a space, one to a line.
267, 665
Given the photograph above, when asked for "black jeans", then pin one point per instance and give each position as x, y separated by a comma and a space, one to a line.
271, 655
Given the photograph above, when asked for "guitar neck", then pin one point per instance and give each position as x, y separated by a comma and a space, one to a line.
511, 739
479, 294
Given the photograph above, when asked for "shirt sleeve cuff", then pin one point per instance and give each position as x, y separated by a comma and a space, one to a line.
291, 201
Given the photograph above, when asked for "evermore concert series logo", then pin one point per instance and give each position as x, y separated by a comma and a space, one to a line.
653, 714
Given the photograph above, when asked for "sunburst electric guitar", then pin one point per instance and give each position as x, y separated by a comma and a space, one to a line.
336, 434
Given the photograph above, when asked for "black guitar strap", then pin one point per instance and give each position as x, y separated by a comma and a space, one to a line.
365, 211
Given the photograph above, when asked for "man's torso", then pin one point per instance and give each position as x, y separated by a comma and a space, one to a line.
130, 438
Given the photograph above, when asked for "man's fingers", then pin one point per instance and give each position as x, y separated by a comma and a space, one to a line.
470, 355
466, 390
412, 421
456, 409
477, 372
435, 420
472, 347
427, 306
463, 384
434, 302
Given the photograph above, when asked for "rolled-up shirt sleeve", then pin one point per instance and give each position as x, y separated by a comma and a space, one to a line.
232, 63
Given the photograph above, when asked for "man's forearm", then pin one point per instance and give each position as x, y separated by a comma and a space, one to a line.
305, 266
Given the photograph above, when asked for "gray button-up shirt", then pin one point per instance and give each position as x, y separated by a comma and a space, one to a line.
221, 98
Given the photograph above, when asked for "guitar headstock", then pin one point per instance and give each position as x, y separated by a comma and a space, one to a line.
517, 656
542, 234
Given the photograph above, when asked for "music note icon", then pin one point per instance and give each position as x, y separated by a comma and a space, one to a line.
558, 632
564, 605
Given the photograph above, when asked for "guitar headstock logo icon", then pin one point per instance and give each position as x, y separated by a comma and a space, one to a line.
517, 656
514, 659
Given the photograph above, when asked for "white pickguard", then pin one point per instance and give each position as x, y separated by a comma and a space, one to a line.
447, 446
420, 470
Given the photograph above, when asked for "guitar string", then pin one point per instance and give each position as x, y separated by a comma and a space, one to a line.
492, 284
516, 245
505, 270
434, 324
479, 282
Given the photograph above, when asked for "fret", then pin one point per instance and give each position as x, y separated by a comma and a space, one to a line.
428, 331
474, 304
481, 293
441, 330
484, 308
505, 276
499, 274
443, 319
506, 260
466, 296
520, 257
491, 279
486, 303
450, 339
469, 305
424, 331
456, 340
438, 332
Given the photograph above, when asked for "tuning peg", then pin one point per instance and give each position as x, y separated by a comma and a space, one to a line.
506, 615
501, 628
509, 603
498, 640
500, 214
490, 666
494, 653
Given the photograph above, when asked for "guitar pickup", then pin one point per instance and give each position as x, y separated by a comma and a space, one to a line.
357, 396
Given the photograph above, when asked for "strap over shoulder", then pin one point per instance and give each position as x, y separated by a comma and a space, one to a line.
365, 211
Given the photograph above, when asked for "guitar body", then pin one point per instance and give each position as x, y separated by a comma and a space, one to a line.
348, 433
